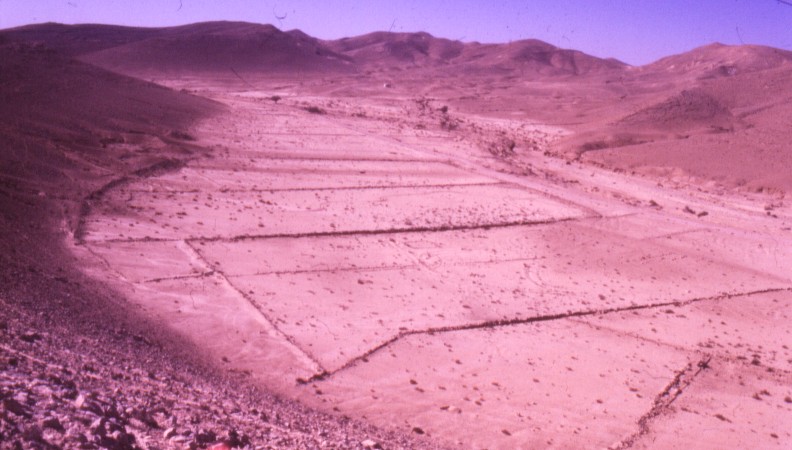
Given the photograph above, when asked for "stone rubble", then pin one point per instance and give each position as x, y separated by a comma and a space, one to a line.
66, 391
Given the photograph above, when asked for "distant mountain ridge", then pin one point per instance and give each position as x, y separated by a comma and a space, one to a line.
213, 47
218, 46
384, 48
250, 47
206, 47
425, 50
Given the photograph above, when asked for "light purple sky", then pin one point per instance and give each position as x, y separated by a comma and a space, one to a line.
635, 31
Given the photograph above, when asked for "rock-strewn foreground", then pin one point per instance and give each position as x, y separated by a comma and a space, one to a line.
474, 255
109, 387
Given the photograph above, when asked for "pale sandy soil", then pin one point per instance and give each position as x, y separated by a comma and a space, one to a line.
373, 263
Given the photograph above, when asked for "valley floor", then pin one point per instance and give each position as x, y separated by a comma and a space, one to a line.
408, 267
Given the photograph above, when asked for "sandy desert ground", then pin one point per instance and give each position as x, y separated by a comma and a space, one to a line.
476, 260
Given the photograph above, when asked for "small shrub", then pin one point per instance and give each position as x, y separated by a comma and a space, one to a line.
181, 135
275, 98
315, 110
503, 147
423, 105
105, 141
594, 145
621, 140
448, 123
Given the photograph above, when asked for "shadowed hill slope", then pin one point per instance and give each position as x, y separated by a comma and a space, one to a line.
68, 128
60, 115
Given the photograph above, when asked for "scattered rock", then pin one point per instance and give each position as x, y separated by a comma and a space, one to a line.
368, 443
52, 423
30, 336
219, 446
722, 417
205, 437
17, 408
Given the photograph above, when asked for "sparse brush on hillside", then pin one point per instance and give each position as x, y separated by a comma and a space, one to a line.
502, 147
447, 122
426, 110
181, 135
315, 110
423, 104
621, 140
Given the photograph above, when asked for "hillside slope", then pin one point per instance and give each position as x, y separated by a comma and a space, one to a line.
717, 114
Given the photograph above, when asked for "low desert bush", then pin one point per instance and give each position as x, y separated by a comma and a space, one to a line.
315, 110
181, 135
620, 140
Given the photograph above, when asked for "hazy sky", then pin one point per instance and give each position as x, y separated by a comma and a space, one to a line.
635, 31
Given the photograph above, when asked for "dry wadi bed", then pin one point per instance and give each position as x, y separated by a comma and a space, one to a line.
364, 259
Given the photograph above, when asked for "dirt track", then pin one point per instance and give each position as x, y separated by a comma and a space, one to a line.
370, 263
